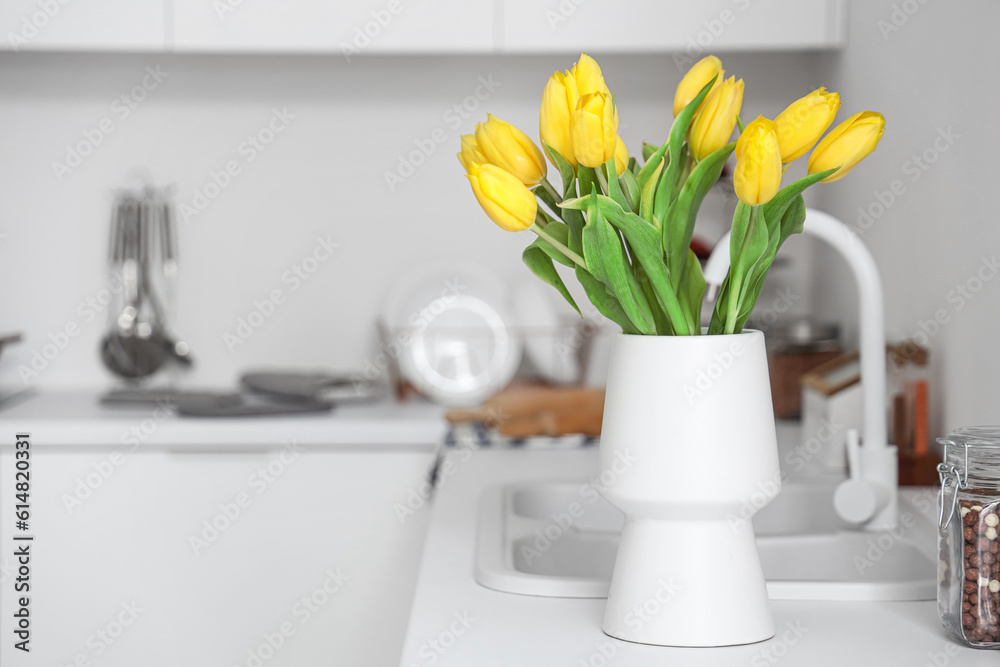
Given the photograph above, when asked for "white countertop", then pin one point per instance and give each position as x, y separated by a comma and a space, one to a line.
457, 622
77, 418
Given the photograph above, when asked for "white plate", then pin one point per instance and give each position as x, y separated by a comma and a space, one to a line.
451, 331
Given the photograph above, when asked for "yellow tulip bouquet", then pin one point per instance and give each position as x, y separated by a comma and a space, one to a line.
626, 229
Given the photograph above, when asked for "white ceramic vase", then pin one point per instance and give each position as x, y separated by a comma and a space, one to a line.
689, 435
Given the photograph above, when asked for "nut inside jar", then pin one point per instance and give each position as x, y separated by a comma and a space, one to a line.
981, 563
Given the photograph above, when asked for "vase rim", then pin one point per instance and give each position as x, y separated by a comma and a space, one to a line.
703, 335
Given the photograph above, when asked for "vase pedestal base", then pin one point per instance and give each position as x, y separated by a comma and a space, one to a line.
688, 583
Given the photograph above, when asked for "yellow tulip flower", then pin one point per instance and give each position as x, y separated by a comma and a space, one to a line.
714, 124
621, 156
695, 79
504, 198
847, 145
594, 129
804, 121
511, 149
470, 152
559, 100
757, 177
588, 75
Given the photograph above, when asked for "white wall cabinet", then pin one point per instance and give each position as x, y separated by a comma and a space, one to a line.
683, 26
351, 28
72, 25
311, 568
438, 27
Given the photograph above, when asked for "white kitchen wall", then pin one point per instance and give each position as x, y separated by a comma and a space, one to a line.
925, 196
343, 126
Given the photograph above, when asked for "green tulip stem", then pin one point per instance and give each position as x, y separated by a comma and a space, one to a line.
739, 121
602, 180
551, 190
734, 293
559, 246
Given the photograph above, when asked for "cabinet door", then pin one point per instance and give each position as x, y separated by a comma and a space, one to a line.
136, 25
351, 28
688, 26
215, 558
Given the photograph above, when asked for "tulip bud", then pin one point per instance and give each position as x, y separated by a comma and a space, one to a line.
558, 102
695, 79
757, 177
714, 124
470, 152
621, 156
588, 75
503, 196
594, 129
512, 150
847, 145
559, 99
804, 121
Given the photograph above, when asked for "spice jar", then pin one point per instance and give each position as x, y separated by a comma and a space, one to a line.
969, 522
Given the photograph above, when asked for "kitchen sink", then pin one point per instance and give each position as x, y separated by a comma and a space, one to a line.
560, 539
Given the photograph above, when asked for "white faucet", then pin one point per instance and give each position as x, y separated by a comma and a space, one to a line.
869, 498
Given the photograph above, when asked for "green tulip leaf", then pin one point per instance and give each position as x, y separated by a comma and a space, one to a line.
606, 261
775, 208
614, 187
678, 132
651, 166
660, 319
791, 223
680, 221
663, 196
588, 180
566, 170
647, 150
575, 221
630, 186
649, 194
644, 244
717, 325
748, 242
539, 261
560, 233
575, 204
692, 291
755, 283
792, 220
604, 301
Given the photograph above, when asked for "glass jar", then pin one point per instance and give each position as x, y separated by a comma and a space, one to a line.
969, 522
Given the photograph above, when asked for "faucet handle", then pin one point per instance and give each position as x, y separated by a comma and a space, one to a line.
863, 495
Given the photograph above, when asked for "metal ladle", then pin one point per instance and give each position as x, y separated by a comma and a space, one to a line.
135, 348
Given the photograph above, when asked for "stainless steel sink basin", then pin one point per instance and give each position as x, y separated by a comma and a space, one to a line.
560, 539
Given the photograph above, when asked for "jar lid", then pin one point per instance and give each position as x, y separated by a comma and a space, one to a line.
961, 469
973, 436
